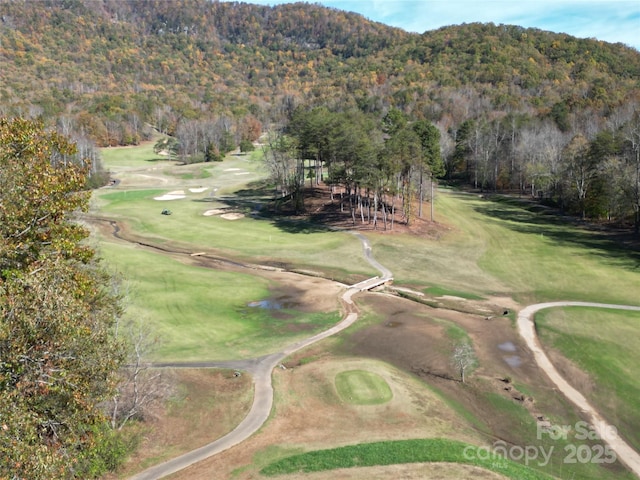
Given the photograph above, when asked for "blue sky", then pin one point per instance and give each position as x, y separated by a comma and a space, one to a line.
608, 20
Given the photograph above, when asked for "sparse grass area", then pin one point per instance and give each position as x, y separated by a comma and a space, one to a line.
361, 387
402, 451
604, 343
196, 413
455, 333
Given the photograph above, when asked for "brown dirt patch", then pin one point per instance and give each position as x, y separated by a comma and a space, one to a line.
321, 209
413, 337
308, 413
206, 404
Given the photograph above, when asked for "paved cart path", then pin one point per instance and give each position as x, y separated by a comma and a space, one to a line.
526, 327
261, 369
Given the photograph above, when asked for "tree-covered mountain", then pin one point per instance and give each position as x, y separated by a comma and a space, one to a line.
507, 100
115, 59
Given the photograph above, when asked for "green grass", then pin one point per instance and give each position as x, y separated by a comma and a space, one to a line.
131, 157
124, 199
524, 432
499, 247
203, 314
454, 332
251, 239
604, 343
437, 291
402, 451
197, 173
361, 387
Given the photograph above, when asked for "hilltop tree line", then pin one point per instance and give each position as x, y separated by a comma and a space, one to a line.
512, 105
376, 160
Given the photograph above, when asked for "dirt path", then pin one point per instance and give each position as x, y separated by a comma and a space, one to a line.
526, 327
261, 369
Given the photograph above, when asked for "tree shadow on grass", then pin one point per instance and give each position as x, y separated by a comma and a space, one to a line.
246, 200
258, 201
297, 225
611, 245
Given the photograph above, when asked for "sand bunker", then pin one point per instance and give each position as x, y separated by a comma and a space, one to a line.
198, 189
215, 211
175, 195
231, 169
242, 173
169, 196
232, 216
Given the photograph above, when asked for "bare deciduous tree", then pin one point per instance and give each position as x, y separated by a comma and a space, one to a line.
463, 358
141, 388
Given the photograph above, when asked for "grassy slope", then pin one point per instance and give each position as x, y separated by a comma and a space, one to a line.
203, 314
401, 451
252, 239
496, 247
604, 343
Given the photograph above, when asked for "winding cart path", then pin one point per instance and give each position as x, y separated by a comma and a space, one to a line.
261, 368
526, 327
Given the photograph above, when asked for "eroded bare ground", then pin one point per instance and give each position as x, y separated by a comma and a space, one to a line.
418, 471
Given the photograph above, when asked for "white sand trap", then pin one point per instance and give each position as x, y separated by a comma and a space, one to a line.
232, 216
242, 173
176, 192
215, 211
198, 189
231, 169
169, 196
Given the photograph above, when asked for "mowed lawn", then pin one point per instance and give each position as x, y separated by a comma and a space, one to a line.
200, 314
247, 239
362, 387
499, 247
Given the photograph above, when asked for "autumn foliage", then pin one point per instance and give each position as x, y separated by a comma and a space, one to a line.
57, 351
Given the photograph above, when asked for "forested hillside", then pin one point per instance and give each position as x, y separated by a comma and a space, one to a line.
517, 108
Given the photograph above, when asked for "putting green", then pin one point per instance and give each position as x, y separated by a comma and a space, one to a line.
361, 387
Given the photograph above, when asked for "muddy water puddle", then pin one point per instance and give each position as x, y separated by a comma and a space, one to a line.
511, 360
